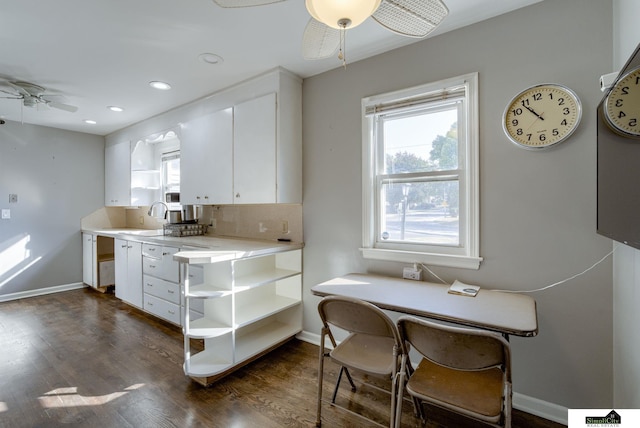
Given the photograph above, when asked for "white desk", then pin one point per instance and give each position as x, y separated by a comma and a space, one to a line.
507, 313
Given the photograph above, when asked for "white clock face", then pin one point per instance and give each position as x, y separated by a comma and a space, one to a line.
622, 106
542, 116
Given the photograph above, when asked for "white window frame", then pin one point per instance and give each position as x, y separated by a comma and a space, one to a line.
467, 253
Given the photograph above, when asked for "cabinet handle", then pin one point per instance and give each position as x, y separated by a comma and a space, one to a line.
149, 304
206, 197
172, 312
130, 246
170, 291
124, 246
198, 197
152, 266
237, 195
149, 284
165, 254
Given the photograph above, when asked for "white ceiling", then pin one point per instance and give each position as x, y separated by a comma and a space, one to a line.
98, 53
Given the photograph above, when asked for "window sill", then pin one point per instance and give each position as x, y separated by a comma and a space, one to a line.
464, 262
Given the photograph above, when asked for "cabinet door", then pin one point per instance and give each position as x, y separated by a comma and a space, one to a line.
254, 151
120, 253
89, 262
134, 273
206, 153
128, 271
117, 175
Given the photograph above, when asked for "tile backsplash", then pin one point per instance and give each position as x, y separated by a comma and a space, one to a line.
259, 221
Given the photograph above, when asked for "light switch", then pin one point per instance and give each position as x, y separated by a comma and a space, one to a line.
6, 214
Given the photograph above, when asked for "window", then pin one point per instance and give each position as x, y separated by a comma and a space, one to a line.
420, 174
171, 177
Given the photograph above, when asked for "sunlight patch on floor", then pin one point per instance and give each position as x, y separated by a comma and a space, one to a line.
69, 397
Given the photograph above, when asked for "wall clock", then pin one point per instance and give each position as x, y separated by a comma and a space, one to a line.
622, 106
542, 116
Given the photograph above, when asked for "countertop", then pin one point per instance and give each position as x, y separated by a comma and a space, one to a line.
203, 248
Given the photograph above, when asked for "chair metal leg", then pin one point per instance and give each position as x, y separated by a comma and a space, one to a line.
320, 376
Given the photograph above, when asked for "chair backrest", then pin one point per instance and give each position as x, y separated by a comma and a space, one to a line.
357, 316
456, 347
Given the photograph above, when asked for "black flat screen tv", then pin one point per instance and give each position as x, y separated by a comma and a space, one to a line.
619, 174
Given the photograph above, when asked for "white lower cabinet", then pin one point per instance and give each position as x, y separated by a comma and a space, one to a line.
128, 271
251, 305
160, 286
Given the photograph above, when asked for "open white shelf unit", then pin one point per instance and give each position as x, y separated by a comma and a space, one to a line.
251, 305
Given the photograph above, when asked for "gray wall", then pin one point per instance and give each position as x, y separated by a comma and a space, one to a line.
626, 276
538, 209
59, 178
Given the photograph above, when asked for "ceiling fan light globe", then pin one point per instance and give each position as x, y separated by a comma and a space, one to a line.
331, 12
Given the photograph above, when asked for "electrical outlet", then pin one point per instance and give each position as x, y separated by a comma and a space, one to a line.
412, 273
285, 226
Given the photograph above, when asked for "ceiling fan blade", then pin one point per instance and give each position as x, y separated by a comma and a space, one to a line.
319, 40
244, 3
412, 18
27, 89
60, 106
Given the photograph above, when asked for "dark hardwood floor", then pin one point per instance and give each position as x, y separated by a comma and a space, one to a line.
82, 358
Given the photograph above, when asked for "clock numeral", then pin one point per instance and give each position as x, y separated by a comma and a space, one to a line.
619, 102
537, 96
624, 90
555, 132
514, 122
529, 137
621, 115
633, 122
542, 137
566, 111
525, 102
560, 101
519, 131
564, 122
516, 112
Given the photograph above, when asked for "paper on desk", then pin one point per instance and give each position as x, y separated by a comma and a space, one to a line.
462, 289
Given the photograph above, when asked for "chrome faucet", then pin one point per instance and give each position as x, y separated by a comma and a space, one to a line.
166, 208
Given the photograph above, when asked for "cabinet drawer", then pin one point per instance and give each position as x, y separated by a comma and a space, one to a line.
152, 266
170, 267
162, 308
151, 250
160, 288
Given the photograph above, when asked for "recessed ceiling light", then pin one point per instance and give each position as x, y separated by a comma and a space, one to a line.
160, 85
90, 122
115, 108
211, 58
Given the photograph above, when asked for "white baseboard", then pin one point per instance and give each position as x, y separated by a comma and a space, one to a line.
534, 406
40, 291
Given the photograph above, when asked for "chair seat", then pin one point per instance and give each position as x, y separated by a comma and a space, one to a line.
373, 354
477, 392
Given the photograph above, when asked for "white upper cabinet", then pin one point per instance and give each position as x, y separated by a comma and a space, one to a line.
254, 151
206, 159
117, 174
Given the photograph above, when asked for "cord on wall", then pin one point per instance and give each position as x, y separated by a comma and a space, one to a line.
537, 289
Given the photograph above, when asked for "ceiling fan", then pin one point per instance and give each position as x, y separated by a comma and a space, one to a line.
32, 95
325, 31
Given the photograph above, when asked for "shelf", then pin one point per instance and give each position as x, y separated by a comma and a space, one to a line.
205, 291
254, 312
258, 340
204, 328
204, 364
258, 279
